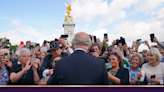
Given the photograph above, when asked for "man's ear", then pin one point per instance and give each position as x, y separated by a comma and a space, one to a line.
73, 46
89, 47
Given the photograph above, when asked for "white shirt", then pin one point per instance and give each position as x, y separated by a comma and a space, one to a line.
148, 70
79, 49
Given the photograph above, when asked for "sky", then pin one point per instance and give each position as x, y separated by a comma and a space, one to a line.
39, 20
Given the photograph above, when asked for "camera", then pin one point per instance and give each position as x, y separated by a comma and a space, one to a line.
64, 36
92, 50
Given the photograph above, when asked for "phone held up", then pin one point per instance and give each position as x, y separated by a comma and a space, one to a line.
33, 58
6, 56
105, 35
31, 47
152, 76
95, 39
152, 37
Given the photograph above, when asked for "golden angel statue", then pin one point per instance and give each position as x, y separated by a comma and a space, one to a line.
68, 12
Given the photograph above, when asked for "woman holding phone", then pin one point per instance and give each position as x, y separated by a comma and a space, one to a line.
136, 60
153, 70
4, 76
25, 73
117, 74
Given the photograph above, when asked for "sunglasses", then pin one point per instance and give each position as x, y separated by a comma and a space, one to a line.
113, 53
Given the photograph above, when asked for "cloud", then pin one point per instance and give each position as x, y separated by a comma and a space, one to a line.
26, 33
16, 22
87, 25
105, 12
146, 6
133, 30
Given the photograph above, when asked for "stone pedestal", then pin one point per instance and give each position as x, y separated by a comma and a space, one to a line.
69, 30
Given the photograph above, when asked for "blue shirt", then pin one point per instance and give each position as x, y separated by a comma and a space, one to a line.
133, 73
162, 61
4, 77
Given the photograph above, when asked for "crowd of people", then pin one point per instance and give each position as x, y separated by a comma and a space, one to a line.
86, 62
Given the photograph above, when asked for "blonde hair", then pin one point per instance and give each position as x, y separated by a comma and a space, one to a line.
137, 55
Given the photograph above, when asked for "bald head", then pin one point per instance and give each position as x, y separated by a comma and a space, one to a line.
82, 39
82, 35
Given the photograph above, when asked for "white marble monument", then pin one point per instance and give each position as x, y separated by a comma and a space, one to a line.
69, 30
69, 25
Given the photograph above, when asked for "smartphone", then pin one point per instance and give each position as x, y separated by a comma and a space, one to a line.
133, 75
31, 47
44, 42
92, 50
152, 37
108, 65
105, 35
138, 39
21, 43
33, 58
142, 42
152, 76
134, 42
5, 56
95, 39
38, 45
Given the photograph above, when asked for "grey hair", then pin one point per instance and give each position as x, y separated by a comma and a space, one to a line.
137, 55
85, 41
156, 52
23, 50
120, 52
1, 67
5, 51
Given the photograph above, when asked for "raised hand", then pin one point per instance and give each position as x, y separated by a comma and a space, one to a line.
155, 40
28, 65
139, 75
9, 63
105, 40
35, 65
50, 72
114, 42
154, 80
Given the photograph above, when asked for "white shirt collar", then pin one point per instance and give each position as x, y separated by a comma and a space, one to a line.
18, 63
79, 49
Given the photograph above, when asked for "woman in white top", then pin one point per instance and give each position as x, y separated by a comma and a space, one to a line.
153, 70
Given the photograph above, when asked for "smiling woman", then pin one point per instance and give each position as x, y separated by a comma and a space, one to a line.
136, 61
117, 74
153, 70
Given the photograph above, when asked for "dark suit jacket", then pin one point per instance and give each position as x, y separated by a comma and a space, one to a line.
47, 62
79, 69
123, 75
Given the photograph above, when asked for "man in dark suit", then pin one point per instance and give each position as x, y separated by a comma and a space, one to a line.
79, 68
